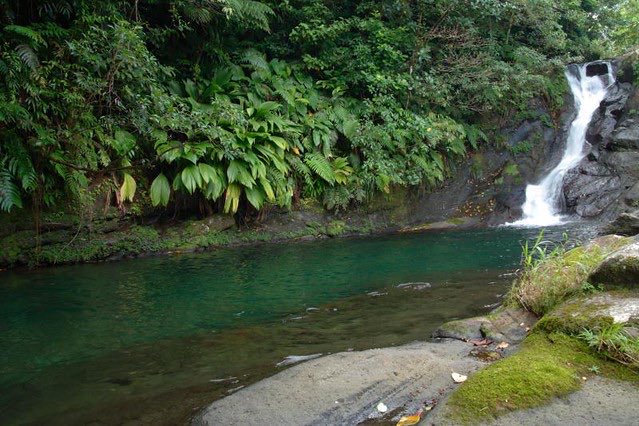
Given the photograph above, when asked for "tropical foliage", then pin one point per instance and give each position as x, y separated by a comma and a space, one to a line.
239, 104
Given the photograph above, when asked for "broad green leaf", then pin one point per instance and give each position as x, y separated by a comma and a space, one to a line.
191, 178
268, 189
207, 172
255, 196
279, 141
160, 190
127, 190
232, 201
237, 172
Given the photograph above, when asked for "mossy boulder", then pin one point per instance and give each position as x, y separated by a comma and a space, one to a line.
625, 224
592, 312
621, 268
465, 329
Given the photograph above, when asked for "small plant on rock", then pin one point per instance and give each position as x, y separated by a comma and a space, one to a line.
614, 342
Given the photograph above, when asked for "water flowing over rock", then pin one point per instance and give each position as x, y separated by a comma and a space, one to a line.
589, 85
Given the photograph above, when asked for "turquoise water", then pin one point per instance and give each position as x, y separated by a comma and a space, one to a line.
119, 341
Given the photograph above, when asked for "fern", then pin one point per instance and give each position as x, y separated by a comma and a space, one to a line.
321, 166
28, 56
33, 36
196, 13
301, 168
9, 192
250, 13
255, 59
18, 163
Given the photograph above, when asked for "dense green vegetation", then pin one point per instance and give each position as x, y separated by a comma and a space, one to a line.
232, 105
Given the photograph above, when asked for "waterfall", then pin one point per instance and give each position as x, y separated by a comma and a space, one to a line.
589, 84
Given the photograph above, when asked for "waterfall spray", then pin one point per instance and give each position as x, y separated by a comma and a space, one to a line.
543, 199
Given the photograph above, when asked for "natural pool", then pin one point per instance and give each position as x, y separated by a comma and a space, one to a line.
151, 340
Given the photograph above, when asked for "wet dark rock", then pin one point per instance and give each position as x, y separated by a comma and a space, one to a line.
631, 197
625, 224
625, 137
590, 188
120, 381
625, 164
597, 68
605, 119
485, 354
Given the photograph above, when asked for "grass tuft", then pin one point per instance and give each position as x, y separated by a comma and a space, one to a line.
551, 276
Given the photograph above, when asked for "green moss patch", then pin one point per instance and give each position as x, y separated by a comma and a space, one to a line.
546, 366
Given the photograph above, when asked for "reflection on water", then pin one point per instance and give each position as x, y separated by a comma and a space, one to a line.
146, 340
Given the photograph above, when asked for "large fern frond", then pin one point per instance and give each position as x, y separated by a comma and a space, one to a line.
250, 13
34, 37
9, 192
256, 59
320, 165
28, 56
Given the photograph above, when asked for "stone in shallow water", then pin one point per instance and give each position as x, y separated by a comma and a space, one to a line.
294, 359
503, 325
485, 354
415, 286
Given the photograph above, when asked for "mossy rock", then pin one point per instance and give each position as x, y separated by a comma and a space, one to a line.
620, 268
503, 325
465, 329
591, 312
546, 366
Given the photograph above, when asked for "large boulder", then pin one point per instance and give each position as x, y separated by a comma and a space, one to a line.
592, 312
590, 188
605, 119
625, 164
625, 136
625, 224
621, 268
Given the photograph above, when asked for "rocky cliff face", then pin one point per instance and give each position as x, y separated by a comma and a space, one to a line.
606, 182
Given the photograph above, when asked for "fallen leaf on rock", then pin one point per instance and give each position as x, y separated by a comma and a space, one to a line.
503, 345
410, 420
459, 378
382, 408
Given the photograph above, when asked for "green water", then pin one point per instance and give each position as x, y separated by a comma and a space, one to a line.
145, 340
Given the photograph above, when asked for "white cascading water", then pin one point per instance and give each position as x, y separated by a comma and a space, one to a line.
542, 200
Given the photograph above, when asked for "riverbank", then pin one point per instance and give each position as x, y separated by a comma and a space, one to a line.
580, 346
68, 242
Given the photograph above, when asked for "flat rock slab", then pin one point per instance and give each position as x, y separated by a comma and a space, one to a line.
345, 388
599, 402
